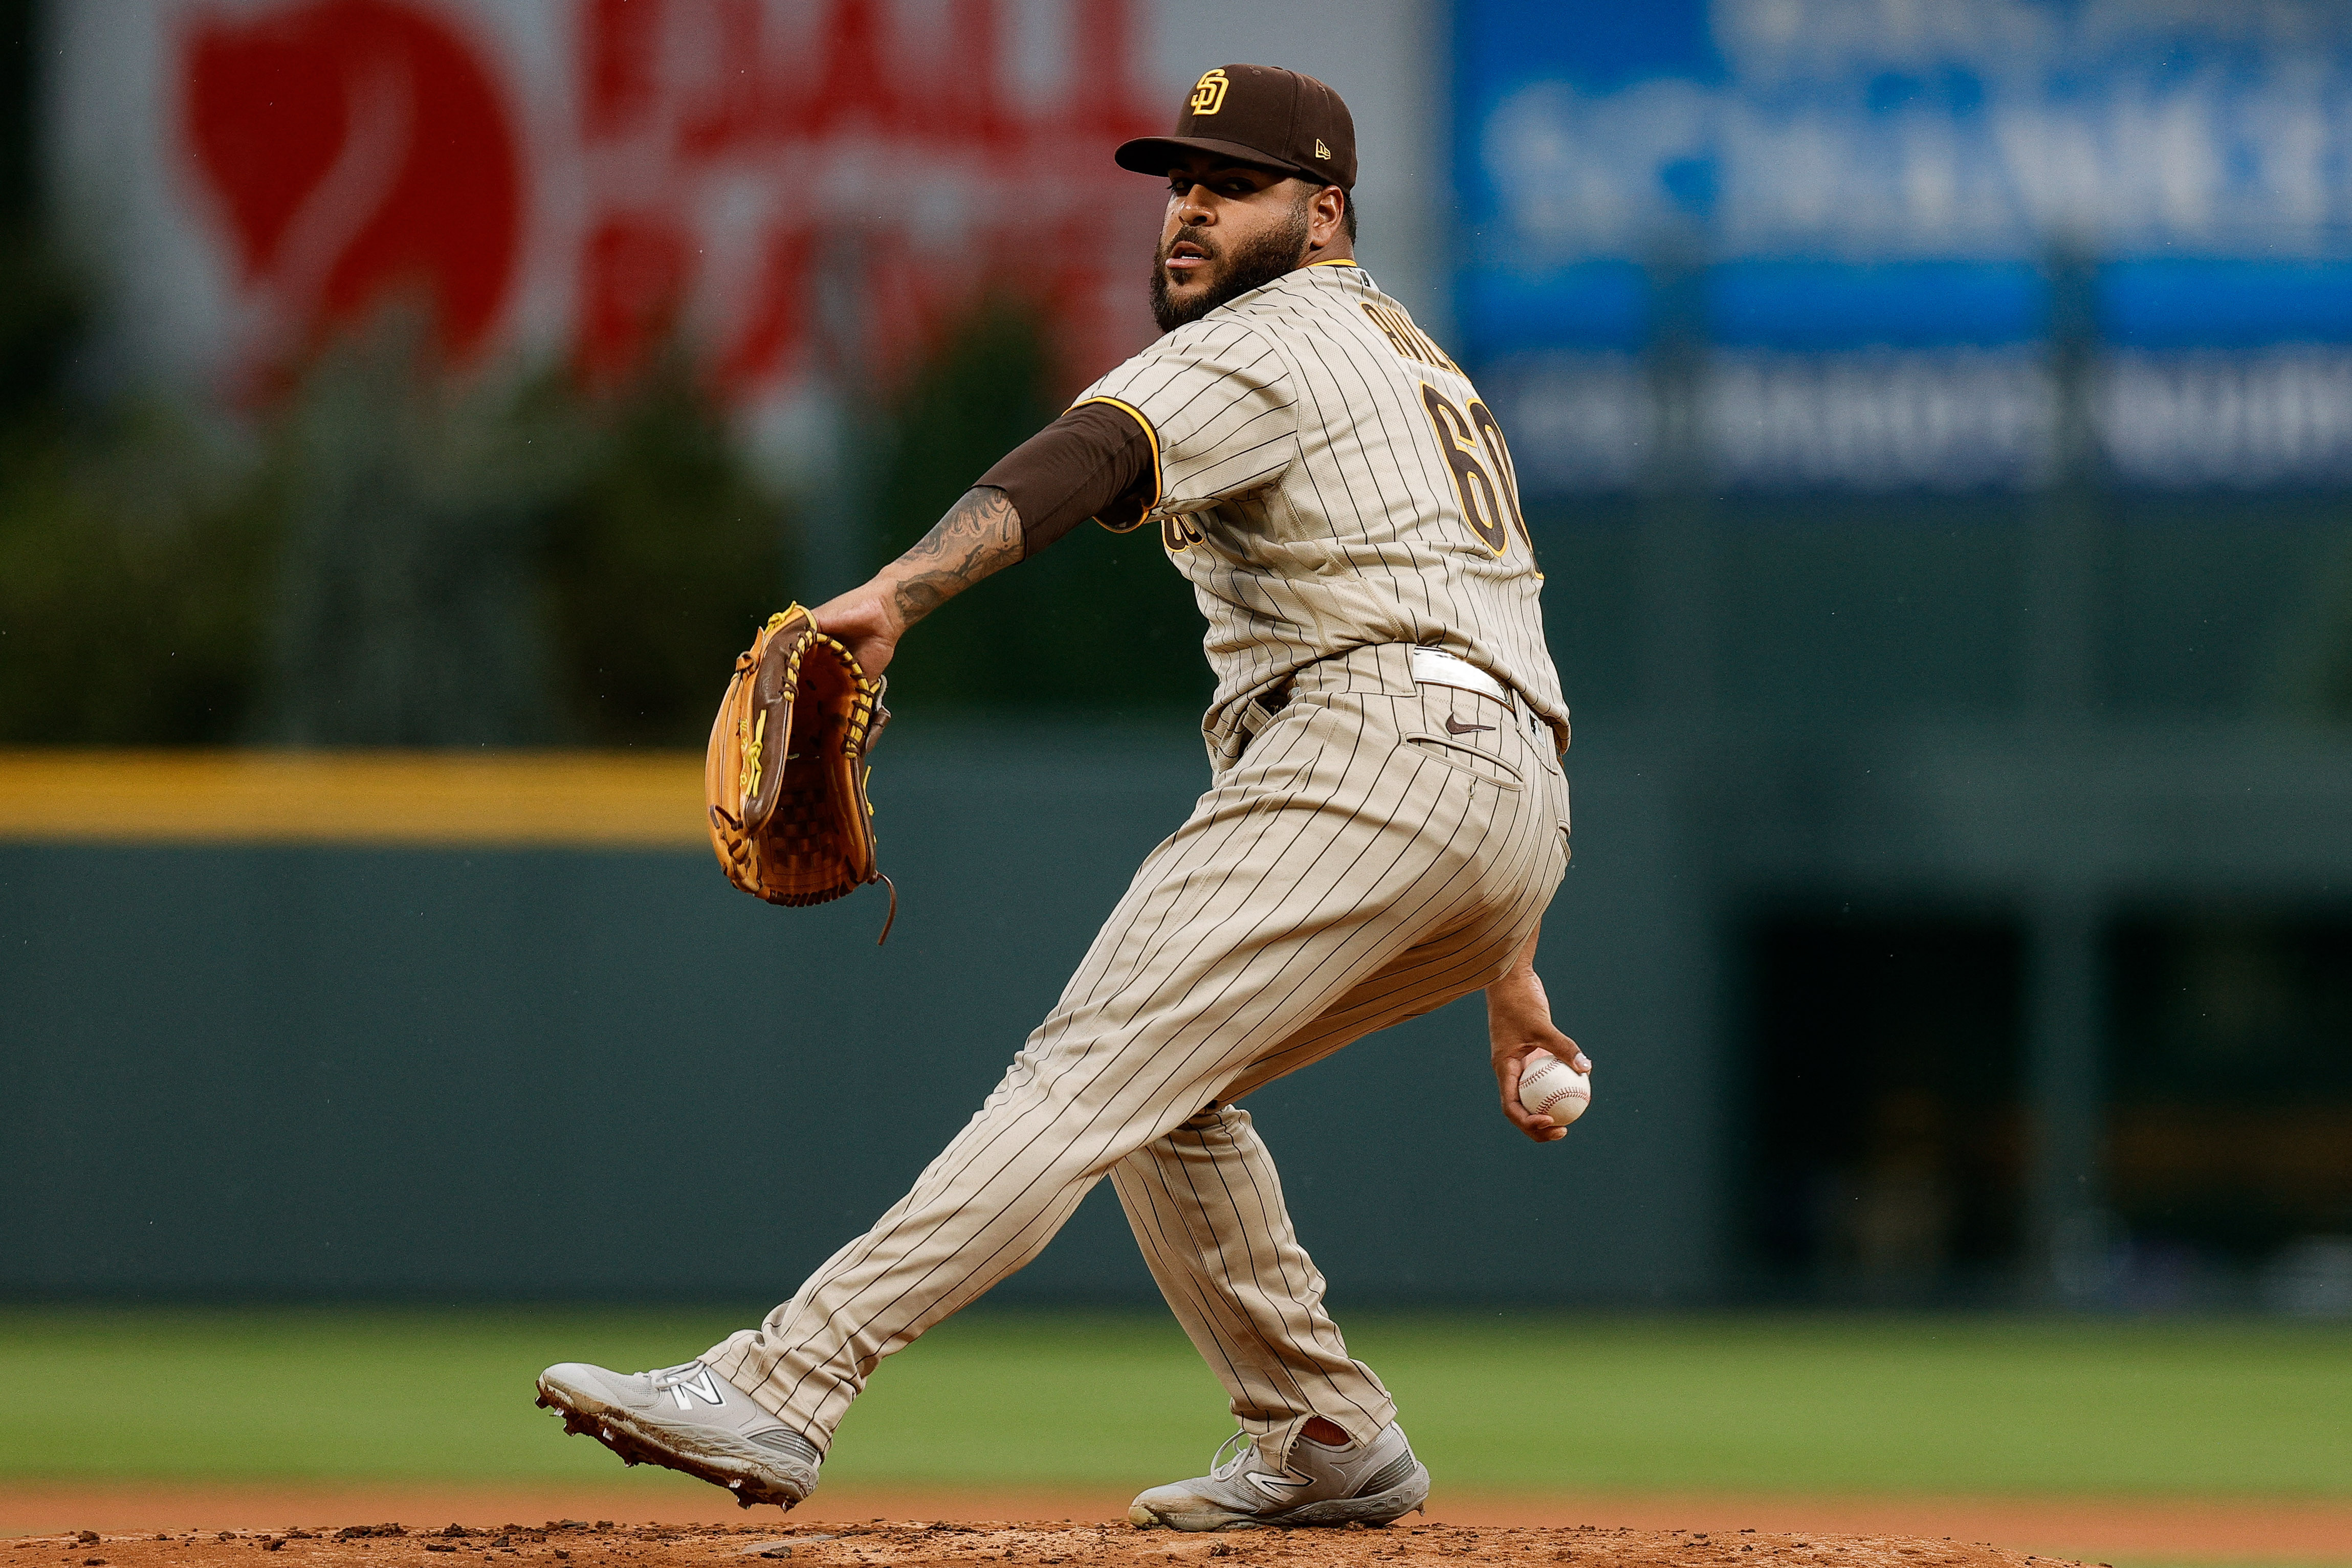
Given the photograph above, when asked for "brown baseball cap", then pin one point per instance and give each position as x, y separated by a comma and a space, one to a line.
1260, 115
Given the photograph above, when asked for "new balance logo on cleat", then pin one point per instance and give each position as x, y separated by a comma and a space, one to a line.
700, 1385
688, 1418
1281, 1488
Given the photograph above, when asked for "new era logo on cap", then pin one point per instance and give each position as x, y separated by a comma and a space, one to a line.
1262, 115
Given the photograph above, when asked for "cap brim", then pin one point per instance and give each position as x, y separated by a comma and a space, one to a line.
1158, 154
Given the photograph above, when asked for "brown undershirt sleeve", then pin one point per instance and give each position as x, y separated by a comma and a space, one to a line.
1096, 461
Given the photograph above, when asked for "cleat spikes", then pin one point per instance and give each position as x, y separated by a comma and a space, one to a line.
616, 1431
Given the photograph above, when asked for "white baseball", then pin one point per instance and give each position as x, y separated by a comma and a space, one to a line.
1550, 1087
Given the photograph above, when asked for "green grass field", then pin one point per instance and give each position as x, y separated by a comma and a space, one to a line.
1500, 1401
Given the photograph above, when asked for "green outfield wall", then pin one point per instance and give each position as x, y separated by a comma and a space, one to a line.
461, 1072
1858, 919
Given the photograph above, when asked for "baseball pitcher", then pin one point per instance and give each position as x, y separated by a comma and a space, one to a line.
1386, 823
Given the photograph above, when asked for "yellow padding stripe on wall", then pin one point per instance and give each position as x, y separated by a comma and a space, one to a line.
598, 799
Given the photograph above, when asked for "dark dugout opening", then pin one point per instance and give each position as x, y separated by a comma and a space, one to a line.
1885, 1157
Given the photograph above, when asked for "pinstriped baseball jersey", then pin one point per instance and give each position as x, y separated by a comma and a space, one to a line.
1328, 479
1379, 849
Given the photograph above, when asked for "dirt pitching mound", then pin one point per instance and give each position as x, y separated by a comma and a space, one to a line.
578, 1544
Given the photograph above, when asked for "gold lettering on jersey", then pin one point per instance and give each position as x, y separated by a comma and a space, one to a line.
1409, 340
1444, 361
1209, 92
1392, 330
1482, 506
1498, 455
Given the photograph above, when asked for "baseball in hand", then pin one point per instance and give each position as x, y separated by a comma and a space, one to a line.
1550, 1087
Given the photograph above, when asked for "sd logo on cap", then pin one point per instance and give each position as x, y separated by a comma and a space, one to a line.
1260, 115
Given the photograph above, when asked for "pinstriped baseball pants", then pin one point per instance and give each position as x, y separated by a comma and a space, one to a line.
1362, 862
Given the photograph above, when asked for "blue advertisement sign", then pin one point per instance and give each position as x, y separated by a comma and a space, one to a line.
1865, 200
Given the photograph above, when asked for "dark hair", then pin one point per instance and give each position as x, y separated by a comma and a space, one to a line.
1350, 196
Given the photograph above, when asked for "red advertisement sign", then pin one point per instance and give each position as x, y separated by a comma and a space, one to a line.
805, 189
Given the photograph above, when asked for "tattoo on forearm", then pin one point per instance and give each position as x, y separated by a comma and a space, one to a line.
981, 535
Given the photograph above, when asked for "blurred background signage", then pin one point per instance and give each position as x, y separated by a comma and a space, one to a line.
809, 194
1871, 212
1936, 421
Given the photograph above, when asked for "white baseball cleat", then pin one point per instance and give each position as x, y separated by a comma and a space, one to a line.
1368, 1482
686, 1418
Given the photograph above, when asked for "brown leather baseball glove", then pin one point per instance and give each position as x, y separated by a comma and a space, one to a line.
785, 774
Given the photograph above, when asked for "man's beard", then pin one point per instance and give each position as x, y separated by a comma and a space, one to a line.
1251, 265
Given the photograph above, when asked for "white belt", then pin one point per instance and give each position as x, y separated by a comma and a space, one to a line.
1436, 667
